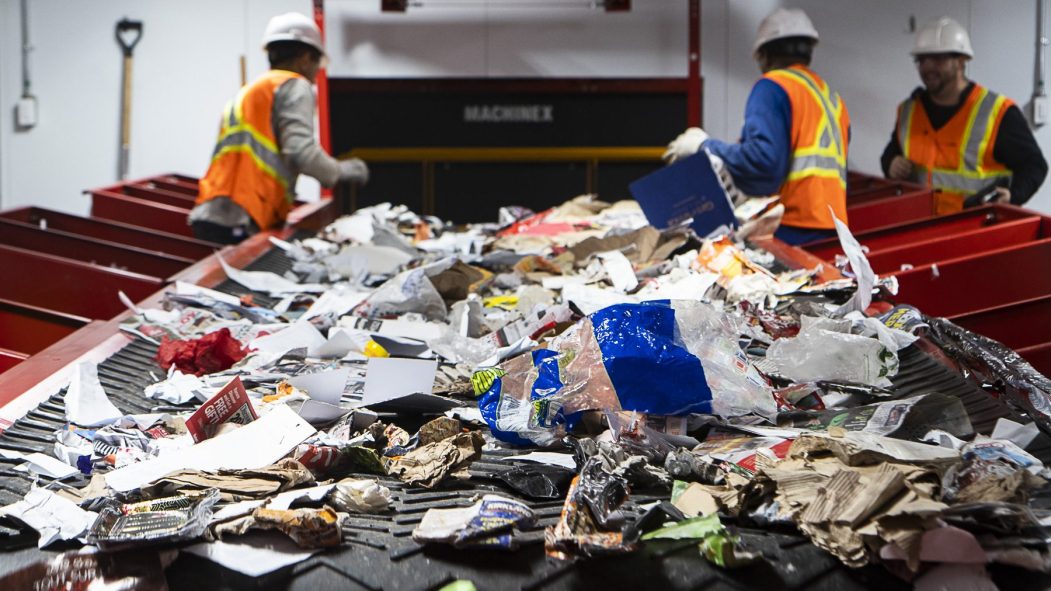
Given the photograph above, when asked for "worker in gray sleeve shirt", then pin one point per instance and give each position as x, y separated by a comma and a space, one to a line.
266, 140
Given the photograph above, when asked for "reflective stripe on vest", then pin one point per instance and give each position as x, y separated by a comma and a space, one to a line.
828, 157
239, 136
970, 175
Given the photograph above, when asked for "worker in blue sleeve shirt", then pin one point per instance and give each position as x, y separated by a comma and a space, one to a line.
796, 130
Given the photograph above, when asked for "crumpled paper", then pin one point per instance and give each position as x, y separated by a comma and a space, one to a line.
54, 517
429, 465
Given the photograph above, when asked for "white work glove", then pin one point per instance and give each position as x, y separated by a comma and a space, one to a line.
354, 170
685, 145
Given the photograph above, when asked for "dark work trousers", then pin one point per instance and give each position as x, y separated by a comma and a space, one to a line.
213, 232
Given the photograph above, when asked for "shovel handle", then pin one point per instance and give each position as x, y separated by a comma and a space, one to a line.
127, 28
125, 111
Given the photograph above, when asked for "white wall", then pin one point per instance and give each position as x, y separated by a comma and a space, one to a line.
187, 66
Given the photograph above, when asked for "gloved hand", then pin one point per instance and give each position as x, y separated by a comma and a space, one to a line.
685, 145
900, 168
354, 170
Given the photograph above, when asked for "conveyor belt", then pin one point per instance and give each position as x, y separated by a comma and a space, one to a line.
380, 554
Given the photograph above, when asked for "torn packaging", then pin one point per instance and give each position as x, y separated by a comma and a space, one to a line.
591, 521
486, 524
620, 358
167, 520
429, 465
309, 528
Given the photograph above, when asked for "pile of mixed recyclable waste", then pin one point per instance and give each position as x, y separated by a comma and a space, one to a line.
608, 358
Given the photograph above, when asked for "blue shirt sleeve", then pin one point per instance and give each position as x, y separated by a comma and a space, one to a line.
759, 162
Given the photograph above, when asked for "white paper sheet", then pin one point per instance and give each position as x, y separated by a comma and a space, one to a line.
267, 282
46, 465
334, 301
179, 388
592, 299
254, 554
297, 335
54, 517
618, 270
547, 457
341, 341
390, 378
358, 228
183, 288
1020, 435
379, 260
859, 264
259, 443
86, 402
318, 413
325, 386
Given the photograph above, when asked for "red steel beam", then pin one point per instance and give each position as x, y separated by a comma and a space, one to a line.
174, 187
29, 329
90, 250
179, 246
977, 282
1017, 325
74, 287
159, 196
140, 212
891, 211
951, 246
926, 229
9, 359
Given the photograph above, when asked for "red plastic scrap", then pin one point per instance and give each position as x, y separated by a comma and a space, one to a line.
213, 352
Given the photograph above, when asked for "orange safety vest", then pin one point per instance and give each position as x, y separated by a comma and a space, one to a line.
956, 159
247, 165
817, 170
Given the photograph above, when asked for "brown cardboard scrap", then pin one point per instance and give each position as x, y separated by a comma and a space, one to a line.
439, 429
696, 500
429, 465
234, 485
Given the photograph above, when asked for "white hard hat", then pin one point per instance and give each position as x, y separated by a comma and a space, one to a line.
943, 35
782, 23
293, 26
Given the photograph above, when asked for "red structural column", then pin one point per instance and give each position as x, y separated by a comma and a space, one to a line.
695, 110
322, 83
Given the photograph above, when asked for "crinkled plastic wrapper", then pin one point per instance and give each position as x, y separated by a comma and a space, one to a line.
591, 521
659, 357
1025, 387
171, 519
